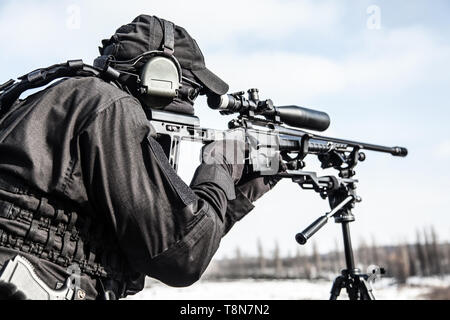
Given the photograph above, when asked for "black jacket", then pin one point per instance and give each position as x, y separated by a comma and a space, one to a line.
89, 144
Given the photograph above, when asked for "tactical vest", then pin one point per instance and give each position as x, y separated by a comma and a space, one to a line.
48, 227
56, 231
45, 226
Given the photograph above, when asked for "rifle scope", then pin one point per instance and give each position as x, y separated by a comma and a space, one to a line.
294, 116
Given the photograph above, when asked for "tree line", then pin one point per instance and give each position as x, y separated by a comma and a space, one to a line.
425, 257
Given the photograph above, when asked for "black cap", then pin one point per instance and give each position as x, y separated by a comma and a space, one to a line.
145, 33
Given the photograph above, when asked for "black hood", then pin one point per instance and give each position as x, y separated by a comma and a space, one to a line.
145, 33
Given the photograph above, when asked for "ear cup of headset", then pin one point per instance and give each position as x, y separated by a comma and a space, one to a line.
160, 80
161, 77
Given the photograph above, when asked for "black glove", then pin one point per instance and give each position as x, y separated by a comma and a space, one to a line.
8, 291
250, 188
254, 186
229, 154
222, 164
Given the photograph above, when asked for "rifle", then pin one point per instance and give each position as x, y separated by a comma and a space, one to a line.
262, 126
272, 133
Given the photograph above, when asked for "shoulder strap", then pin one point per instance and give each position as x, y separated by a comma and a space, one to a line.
11, 90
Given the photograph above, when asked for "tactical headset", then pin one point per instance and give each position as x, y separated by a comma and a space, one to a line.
161, 76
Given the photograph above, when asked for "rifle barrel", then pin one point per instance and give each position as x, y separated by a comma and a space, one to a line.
290, 139
395, 151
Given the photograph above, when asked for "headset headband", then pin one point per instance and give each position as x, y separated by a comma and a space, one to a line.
168, 47
168, 36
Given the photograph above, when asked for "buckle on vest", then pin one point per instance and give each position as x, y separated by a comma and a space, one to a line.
75, 64
20, 272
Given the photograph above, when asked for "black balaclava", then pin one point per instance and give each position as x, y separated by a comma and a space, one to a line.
181, 104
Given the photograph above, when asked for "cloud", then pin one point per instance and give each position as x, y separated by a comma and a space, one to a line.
44, 21
39, 33
224, 20
389, 63
380, 61
442, 150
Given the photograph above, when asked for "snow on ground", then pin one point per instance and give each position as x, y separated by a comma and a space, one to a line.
384, 289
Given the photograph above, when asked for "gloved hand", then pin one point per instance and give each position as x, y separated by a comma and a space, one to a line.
9, 291
222, 165
250, 188
254, 186
229, 154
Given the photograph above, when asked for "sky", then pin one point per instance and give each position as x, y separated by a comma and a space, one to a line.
380, 69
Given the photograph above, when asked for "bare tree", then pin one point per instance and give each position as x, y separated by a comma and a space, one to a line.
421, 255
316, 259
446, 249
338, 261
374, 252
277, 259
435, 254
363, 253
239, 262
412, 260
261, 258
403, 268
298, 262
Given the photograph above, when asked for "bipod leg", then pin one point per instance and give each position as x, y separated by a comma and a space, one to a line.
338, 284
358, 288
365, 289
352, 287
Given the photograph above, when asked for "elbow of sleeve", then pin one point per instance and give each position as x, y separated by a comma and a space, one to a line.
184, 263
180, 270
187, 277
